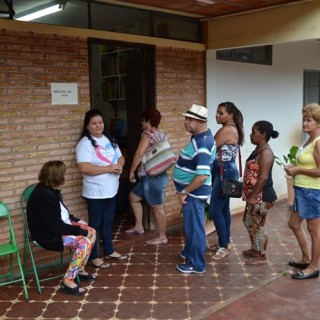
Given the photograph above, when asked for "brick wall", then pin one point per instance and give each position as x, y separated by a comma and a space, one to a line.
32, 131
180, 83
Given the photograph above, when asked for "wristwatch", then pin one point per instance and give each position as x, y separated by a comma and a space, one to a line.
184, 192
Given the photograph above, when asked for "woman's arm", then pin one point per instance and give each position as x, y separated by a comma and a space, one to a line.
142, 148
225, 135
93, 170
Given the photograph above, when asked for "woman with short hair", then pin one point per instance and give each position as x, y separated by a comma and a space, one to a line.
54, 228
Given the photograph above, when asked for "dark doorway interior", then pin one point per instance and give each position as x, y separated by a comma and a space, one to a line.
122, 86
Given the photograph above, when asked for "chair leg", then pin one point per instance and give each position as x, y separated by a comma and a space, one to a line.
34, 268
22, 278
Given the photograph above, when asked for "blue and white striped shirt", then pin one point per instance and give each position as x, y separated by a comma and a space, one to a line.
196, 158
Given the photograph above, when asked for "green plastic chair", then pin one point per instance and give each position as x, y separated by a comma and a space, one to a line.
10, 249
29, 245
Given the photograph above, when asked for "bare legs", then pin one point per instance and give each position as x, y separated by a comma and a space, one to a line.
160, 220
295, 224
313, 225
136, 206
159, 214
314, 230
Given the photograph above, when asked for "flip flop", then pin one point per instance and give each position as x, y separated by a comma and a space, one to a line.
116, 256
73, 291
103, 265
86, 277
157, 241
135, 231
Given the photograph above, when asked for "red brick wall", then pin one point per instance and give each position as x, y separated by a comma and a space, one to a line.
180, 83
32, 131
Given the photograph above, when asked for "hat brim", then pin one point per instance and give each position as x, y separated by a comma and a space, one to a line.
194, 117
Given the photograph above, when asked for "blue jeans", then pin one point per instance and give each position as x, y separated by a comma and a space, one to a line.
220, 206
101, 213
193, 221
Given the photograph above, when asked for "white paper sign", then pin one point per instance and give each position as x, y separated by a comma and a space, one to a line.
64, 93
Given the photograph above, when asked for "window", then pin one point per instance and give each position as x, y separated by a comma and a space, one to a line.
96, 15
259, 55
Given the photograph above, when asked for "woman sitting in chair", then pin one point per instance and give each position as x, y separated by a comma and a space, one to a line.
53, 227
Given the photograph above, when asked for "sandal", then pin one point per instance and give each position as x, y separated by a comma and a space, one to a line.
216, 247
250, 253
73, 291
101, 265
135, 231
86, 277
117, 256
257, 261
221, 254
157, 241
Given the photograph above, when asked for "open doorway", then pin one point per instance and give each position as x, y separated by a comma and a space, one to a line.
122, 86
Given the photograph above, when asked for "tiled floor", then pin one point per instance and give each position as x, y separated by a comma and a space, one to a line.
148, 286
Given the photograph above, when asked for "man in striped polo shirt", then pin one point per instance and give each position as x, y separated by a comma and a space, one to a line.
192, 179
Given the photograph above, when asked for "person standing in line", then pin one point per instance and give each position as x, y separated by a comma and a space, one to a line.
149, 188
54, 228
306, 175
192, 179
100, 161
228, 140
258, 191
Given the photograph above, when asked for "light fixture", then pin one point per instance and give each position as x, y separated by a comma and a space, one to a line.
206, 1
42, 11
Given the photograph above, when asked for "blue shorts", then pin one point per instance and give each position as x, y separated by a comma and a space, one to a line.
307, 202
151, 189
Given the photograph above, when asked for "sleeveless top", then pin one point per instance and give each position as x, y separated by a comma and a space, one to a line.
251, 173
153, 136
228, 151
306, 160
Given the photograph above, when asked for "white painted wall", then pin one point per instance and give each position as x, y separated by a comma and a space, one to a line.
273, 93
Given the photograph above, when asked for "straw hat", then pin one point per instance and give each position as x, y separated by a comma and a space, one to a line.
197, 112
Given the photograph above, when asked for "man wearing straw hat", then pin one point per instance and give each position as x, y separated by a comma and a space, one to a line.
192, 179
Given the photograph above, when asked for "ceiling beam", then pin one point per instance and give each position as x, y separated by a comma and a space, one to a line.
296, 22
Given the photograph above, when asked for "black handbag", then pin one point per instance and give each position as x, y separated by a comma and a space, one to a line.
230, 188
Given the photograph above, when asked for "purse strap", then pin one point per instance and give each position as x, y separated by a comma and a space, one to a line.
221, 167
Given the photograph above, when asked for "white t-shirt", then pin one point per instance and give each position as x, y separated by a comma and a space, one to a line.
64, 214
103, 185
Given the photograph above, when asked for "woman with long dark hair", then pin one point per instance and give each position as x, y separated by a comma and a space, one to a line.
228, 139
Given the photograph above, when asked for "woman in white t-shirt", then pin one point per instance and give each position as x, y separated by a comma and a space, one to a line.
100, 162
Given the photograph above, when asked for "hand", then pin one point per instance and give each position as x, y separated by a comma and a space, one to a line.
82, 222
91, 233
182, 198
132, 177
116, 168
290, 169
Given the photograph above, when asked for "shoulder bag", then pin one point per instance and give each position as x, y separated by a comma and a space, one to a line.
159, 157
230, 188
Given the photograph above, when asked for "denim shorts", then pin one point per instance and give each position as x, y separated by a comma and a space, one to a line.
307, 203
151, 189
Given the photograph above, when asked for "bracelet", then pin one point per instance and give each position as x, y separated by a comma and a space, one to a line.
183, 192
